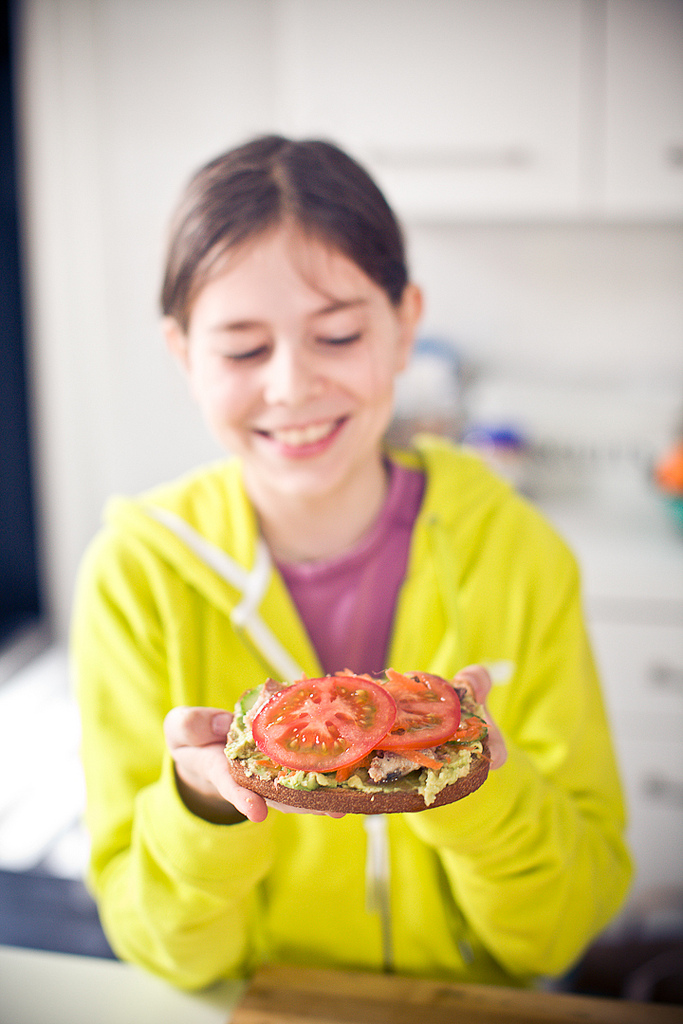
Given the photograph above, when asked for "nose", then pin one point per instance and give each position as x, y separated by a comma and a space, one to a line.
291, 377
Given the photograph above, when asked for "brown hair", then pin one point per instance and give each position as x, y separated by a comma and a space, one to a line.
247, 190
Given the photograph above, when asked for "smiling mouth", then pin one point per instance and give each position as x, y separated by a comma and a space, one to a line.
303, 437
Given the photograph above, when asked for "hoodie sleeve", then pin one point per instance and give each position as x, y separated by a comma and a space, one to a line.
536, 859
176, 894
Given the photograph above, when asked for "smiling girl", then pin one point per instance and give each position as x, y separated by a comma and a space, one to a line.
312, 548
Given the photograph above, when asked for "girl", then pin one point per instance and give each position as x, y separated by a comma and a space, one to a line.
313, 548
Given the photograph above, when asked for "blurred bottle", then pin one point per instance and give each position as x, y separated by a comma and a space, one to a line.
429, 393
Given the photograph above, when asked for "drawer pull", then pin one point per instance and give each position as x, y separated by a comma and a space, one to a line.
665, 677
656, 787
433, 158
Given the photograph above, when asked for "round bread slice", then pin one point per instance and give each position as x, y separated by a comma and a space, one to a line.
345, 800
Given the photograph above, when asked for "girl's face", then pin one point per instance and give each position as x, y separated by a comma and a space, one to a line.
291, 353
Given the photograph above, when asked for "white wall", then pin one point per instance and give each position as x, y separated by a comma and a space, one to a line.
122, 99
584, 301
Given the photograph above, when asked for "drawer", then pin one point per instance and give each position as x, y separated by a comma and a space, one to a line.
641, 666
653, 783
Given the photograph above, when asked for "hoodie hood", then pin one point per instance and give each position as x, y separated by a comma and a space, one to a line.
204, 527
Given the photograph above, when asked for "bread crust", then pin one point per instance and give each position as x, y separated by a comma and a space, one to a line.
344, 800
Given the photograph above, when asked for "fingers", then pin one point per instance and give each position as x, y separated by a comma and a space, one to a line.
251, 805
195, 727
205, 769
195, 737
497, 748
477, 679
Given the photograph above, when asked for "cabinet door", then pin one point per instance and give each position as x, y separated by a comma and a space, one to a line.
468, 108
644, 108
642, 673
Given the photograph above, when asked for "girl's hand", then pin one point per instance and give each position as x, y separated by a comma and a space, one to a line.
196, 740
478, 682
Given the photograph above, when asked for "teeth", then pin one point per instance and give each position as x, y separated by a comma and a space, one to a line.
299, 436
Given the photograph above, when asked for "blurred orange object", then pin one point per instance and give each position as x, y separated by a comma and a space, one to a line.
669, 470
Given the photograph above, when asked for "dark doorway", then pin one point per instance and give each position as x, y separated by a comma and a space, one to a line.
20, 603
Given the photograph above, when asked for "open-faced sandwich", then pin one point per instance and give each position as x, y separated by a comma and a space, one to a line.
360, 744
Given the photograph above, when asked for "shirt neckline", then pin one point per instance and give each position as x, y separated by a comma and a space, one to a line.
397, 510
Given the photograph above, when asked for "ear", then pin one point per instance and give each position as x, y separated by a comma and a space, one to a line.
409, 314
176, 342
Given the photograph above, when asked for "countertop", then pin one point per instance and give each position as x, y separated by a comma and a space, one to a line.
55, 988
37, 987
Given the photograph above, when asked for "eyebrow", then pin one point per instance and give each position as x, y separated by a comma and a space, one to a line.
340, 304
249, 325
235, 325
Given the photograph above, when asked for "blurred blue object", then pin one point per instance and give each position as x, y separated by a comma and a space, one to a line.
504, 448
503, 436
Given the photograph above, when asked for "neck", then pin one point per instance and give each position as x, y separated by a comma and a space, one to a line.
300, 529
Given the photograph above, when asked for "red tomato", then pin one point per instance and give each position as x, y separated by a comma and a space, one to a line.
324, 724
428, 711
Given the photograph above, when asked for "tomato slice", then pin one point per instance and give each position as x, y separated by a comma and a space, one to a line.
428, 711
324, 724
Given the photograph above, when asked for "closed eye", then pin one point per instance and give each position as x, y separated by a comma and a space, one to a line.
252, 353
346, 339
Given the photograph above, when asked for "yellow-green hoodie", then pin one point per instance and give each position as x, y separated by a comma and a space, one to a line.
177, 603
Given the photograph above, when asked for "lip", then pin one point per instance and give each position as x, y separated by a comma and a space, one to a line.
305, 440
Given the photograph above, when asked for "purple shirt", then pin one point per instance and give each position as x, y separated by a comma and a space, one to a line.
347, 603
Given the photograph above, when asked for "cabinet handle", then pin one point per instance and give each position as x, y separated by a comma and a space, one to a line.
454, 159
657, 787
662, 676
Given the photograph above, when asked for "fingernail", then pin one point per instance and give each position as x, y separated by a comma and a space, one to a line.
221, 723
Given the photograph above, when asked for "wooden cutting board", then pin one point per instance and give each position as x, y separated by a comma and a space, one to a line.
285, 995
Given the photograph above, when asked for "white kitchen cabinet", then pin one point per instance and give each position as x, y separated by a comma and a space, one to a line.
492, 109
643, 126
631, 559
468, 109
